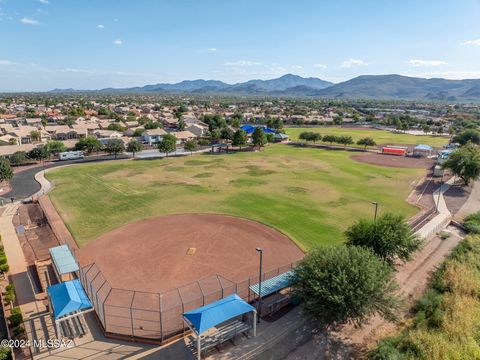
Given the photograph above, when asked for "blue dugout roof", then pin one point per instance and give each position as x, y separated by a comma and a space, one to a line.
67, 298
63, 259
213, 314
274, 284
249, 129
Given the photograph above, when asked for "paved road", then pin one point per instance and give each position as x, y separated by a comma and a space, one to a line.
24, 184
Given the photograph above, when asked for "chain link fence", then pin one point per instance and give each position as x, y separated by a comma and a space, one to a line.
156, 316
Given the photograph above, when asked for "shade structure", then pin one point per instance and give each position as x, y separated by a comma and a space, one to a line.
274, 284
68, 298
423, 147
63, 259
249, 129
208, 316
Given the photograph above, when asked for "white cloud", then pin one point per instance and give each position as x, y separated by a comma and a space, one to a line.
29, 21
118, 42
319, 66
243, 63
6, 62
297, 67
426, 63
212, 49
353, 62
449, 74
46, 2
100, 26
471, 43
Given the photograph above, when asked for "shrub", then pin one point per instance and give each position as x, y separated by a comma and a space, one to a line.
5, 353
472, 223
19, 331
16, 318
203, 142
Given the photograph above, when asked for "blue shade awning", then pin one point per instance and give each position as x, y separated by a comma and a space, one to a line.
63, 259
423, 147
210, 315
274, 284
249, 129
67, 298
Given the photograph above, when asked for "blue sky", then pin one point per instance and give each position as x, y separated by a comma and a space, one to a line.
47, 44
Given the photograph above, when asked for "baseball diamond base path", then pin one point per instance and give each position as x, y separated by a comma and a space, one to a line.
153, 255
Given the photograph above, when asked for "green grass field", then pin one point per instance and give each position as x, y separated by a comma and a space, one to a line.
380, 136
311, 195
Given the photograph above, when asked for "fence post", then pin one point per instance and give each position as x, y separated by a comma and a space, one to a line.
161, 318
248, 289
103, 307
131, 313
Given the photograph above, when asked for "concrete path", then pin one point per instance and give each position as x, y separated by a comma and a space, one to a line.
472, 204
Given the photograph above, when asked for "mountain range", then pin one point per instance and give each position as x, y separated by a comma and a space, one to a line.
362, 87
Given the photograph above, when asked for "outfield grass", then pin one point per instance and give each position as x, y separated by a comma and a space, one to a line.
380, 136
311, 195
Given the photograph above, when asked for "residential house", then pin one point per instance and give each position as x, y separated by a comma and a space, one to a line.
198, 130
183, 136
152, 136
61, 132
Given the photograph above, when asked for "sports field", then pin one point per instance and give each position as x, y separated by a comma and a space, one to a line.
311, 195
380, 136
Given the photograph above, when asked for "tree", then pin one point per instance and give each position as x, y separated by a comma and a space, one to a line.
330, 139
6, 172
190, 145
215, 135
12, 141
345, 140
18, 158
89, 143
39, 153
138, 132
226, 133
55, 147
390, 237
35, 135
343, 284
464, 163
134, 146
367, 141
168, 144
467, 135
181, 125
258, 137
115, 147
239, 138
426, 128
116, 127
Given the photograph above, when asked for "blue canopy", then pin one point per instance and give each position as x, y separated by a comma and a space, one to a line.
67, 298
249, 129
274, 284
423, 147
210, 315
63, 259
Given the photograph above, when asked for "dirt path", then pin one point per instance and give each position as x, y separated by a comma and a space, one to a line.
350, 342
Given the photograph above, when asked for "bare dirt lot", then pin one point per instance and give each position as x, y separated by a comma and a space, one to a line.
153, 255
34, 233
394, 161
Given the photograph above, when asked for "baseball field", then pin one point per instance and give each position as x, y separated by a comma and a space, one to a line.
380, 136
311, 195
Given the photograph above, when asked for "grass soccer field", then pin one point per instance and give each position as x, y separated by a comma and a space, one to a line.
380, 136
311, 195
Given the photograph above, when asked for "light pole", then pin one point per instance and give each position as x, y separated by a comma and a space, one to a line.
259, 250
376, 209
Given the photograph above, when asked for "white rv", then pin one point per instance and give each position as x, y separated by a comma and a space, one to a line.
71, 155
